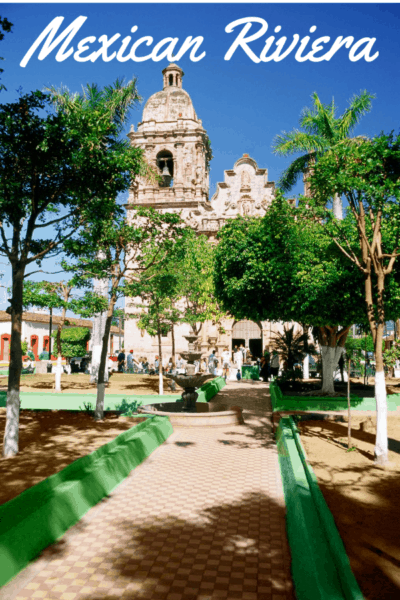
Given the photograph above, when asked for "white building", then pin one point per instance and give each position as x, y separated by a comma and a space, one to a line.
177, 145
35, 331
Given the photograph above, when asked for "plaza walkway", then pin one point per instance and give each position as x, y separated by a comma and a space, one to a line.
202, 519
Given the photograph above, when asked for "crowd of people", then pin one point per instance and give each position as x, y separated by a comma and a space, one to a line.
224, 365
268, 364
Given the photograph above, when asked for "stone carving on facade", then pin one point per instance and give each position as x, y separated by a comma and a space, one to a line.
246, 208
192, 221
245, 182
199, 174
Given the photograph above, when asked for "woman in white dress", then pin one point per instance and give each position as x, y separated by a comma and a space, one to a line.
238, 359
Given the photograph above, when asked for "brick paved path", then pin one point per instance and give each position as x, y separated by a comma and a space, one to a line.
201, 519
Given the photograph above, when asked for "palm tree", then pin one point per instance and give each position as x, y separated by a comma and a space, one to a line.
291, 346
321, 131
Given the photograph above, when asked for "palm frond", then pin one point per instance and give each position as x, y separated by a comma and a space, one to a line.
290, 142
320, 119
294, 171
359, 106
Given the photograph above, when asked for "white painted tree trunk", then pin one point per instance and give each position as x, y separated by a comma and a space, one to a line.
99, 324
95, 365
306, 367
381, 441
160, 380
99, 412
330, 358
11, 434
337, 207
59, 370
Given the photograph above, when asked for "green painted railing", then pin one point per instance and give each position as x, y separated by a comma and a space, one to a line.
43, 513
320, 565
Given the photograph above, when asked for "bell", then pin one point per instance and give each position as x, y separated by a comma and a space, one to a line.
165, 172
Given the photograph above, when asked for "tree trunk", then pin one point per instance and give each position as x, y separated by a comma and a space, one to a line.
348, 406
99, 412
381, 440
173, 347
330, 358
50, 330
11, 434
99, 324
58, 372
160, 373
332, 345
100, 287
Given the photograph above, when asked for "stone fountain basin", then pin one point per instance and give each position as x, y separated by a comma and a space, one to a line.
191, 381
205, 414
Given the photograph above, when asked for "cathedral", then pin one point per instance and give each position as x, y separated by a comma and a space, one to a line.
176, 142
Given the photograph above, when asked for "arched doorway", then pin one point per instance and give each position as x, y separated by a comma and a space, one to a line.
248, 333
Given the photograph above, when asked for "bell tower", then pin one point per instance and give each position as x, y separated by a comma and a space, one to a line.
177, 148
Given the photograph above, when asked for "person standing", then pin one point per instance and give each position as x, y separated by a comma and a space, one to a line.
121, 361
264, 368
211, 362
129, 361
243, 351
179, 364
225, 363
238, 359
274, 364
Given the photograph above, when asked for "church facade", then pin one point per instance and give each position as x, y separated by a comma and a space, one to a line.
177, 145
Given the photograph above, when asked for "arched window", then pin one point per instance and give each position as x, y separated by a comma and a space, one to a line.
171, 80
165, 164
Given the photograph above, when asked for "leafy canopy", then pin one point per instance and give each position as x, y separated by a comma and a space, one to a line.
284, 267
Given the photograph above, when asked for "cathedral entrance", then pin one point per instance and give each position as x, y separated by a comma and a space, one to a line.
248, 333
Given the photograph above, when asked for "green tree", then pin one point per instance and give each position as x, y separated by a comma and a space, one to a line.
5, 26
321, 129
284, 267
193, 265
120, 252
60, 295
73, 341
158, 314
367, 173
59, 171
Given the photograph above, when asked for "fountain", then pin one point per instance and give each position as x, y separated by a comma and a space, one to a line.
190, 380
189, 412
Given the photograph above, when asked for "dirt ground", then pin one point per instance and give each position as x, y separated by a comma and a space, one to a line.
51, 440
363, 498
120, 383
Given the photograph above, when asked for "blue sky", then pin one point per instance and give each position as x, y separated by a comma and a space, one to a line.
242, 104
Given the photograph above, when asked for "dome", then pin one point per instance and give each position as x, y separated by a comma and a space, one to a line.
172, 102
